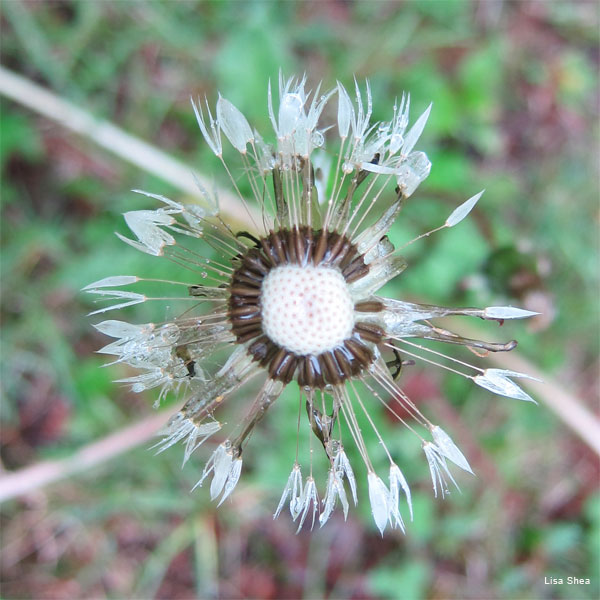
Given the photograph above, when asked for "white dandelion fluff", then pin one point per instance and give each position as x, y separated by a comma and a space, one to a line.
295, 301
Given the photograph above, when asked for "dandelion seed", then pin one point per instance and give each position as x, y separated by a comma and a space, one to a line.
345, 111
438, 469
309, 498
463, 210
234, 125
379, 497
226, 470
335, 489
297, 300
507, 312
131, 299
342, 467
112, 282
179, 429
212, 133
448, 449
293, 490
146, 224
412, 137
397, 483
497, 381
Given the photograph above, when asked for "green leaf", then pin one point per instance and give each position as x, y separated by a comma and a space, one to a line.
19, 137
407, 580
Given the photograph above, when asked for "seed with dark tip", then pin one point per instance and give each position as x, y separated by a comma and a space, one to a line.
320, 248
276, 362
238, 290
288, 367
277, 246
260, 347
369, 306
359, 351
368, 331
342, 362
349, 256
332, 371
246, 278
255, 262
299, 245
355, 271
290, 247
254, 317
243, 310
267, 252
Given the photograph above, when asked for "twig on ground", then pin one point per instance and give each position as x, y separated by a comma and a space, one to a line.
117, 141
24, 481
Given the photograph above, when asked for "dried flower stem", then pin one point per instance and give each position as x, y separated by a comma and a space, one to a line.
29, 479
117, 141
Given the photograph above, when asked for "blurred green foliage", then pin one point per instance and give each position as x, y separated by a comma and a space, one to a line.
515, 93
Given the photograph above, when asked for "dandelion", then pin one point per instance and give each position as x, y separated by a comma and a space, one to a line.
295, 300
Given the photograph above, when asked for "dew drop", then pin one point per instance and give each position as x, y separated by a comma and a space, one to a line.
317, 139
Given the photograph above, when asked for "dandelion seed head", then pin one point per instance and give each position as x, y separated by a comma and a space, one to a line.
296, 299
